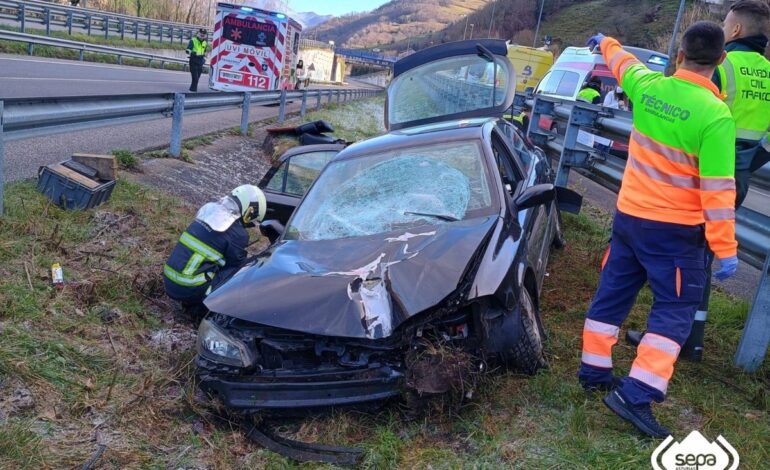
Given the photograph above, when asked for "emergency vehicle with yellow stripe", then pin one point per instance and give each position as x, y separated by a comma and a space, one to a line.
253, 49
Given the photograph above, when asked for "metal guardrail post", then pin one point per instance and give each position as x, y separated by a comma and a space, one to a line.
175, 148
88, 24
318, 100
82, 54
47, 20
2, 161
245, 113
756, 333
541, 108
30, 49
122, 26
69, 23
329, 101
571, 154
136, 30
22, 17
338, 93
282, 107
149, 31
160, 34
106, 27
303, 108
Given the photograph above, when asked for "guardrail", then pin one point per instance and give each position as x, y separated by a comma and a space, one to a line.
22, 118
574, 146
92, 22
32, 40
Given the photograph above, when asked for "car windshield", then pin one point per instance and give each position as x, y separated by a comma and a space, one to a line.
400, 189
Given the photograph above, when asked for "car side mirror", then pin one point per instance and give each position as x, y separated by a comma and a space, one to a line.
272, 229
535, 196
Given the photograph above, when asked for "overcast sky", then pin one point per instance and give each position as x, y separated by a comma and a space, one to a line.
335, 7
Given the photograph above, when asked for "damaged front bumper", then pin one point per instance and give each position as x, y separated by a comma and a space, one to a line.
306, 391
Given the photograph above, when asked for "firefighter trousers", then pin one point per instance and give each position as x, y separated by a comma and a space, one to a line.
671, 258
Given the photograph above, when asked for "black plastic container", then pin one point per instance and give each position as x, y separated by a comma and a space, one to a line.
72, 190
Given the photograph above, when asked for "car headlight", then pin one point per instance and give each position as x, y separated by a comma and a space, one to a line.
217, 346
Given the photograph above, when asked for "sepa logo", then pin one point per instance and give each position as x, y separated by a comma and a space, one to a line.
695, 452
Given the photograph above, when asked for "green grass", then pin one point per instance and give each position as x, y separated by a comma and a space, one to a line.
125, 158
618, 18
84, 370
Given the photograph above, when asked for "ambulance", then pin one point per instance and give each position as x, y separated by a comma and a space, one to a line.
253, 49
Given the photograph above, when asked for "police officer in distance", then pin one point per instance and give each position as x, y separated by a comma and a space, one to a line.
196, 49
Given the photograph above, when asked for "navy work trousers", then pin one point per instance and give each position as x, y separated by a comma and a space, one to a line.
671, 258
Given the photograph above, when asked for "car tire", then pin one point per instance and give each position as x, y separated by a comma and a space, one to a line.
527, 355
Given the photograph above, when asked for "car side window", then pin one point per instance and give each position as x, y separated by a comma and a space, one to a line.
277, 181
303, 169
516, 141
509, 170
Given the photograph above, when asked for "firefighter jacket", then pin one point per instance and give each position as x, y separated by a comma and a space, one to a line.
200, 253
681, 158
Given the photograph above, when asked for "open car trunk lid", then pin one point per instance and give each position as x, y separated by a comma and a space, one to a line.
459, 80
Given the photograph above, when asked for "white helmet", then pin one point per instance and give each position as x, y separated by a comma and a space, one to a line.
252, 203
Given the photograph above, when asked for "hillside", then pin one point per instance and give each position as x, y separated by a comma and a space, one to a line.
394, 21
645, 23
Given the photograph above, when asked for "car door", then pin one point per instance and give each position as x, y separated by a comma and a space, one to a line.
533, 221
288, 180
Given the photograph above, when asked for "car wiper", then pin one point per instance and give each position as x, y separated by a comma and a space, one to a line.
448, 218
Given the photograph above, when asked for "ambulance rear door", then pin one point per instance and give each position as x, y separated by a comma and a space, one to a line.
248, 48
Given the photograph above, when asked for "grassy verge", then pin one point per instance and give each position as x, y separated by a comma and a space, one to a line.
105, 361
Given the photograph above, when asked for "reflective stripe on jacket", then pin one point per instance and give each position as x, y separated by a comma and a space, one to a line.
202, 251
681, 158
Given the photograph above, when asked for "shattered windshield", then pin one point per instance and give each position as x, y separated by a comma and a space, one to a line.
434, 184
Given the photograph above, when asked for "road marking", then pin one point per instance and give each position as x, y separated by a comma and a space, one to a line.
82, 64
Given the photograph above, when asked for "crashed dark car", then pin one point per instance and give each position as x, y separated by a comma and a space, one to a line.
436, 234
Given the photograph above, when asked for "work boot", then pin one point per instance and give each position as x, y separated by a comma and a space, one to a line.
639, 415
634, 337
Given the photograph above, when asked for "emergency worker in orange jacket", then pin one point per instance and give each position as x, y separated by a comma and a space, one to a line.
678, 192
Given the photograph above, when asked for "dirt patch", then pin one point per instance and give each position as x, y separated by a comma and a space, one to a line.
215, 168
15, 398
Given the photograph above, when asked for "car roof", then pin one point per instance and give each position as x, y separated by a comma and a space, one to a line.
447, 131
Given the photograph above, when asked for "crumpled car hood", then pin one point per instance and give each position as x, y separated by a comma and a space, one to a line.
356, 287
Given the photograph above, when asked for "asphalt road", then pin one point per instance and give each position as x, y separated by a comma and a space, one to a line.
25, 77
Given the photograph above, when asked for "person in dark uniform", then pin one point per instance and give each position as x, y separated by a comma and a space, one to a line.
196, 49
212, 248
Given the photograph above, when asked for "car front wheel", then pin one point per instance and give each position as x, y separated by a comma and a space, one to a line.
527, 355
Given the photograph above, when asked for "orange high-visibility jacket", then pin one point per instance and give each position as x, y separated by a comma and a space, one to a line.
681, 157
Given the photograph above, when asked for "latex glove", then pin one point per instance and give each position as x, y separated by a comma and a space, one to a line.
727, 268
594, 41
